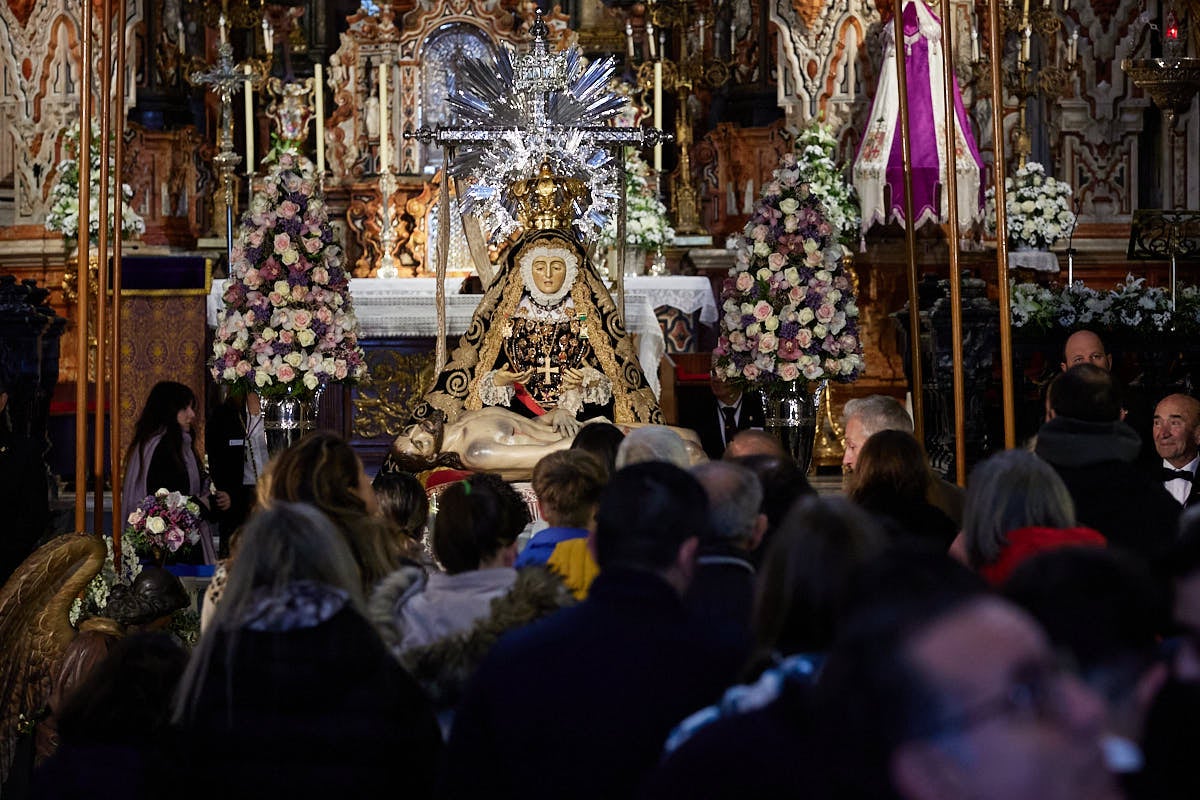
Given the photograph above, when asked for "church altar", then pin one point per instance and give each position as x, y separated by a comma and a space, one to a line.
403, 308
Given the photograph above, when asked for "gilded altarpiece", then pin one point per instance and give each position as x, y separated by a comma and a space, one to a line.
419, 49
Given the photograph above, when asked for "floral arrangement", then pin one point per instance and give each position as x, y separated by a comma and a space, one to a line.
95, 594
165, 522
815, 148
1130, 306
788, 306
1037, 208
288, 325
647, 226
63, 214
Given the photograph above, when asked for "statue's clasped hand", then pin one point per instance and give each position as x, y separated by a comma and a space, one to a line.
573, 378
506, 377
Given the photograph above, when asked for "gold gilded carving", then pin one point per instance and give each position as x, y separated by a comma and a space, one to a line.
408, 204
398, 381
809, 11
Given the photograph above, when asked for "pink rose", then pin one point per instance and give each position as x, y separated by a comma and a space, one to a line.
312, 244
804, 338
744, 282
285, 373
825, 313
302, 318
788, 372
750, 372
339, 370
282, 242
796, 295
767, 343
776, 261
762, 310
288, 209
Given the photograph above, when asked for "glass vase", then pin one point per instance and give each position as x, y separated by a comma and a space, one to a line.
286, 418
790, 412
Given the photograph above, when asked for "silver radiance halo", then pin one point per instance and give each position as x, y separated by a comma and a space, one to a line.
523, 110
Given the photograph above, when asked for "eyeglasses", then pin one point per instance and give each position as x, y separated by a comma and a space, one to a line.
1033, 694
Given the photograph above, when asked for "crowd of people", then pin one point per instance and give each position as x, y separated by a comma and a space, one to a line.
711, 630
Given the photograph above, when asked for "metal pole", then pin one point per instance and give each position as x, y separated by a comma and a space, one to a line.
114, 435
1006, 377
618, 280
910, 241
443, 253
81, 306
956, 343
102, 265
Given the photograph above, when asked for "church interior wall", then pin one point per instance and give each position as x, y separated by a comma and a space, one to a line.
808, 59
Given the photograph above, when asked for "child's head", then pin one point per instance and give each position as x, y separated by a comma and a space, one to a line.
568, 484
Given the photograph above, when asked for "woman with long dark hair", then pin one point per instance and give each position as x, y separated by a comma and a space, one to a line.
163, 455
324, 471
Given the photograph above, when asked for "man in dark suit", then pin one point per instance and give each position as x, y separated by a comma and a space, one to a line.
579, 704
1177, 442
1095, 454
722, 415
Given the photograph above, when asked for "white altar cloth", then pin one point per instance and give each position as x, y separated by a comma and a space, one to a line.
404, 308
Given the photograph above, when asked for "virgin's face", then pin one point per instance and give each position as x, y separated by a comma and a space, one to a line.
186, 417
549, 272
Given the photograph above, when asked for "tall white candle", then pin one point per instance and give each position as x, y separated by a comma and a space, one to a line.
180, 38
221, 27
658, 116
748, 201
248, 99
1073, 46
385, 126
1025, 43
730, 200
319, 103
974, 45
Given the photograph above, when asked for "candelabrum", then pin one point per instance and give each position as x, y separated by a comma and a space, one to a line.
1171, 81
387, 229
677, 23
1024, 78
225, 78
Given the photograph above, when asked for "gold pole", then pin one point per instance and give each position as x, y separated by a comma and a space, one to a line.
910, 241
102, 265
956, 343
443, 253
114, 435
81, 305
1006, 376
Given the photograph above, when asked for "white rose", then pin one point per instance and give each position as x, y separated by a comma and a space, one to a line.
306, 337
155, 524
310, 380
789, 205
771, 323
805, 316
762, 249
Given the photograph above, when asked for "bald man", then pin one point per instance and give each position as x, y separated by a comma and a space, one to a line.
1177, 442
1085, 347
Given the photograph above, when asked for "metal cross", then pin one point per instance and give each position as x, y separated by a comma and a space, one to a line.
546, 370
